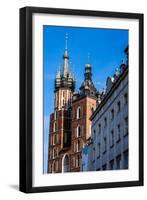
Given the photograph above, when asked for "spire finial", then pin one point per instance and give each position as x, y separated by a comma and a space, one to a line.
66, 41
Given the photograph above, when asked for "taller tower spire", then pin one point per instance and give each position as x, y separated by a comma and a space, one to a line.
65, 79
66, 41
66, 58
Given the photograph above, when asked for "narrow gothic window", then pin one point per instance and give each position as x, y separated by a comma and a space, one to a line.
111, 165
99, 150
105, 122
125, 159
55, 127
112, 114
94, 135
55, 115
78, 161
78, 131
118, 162
78, 113
105, 145
78, 146
93, 154
65, 137
65, 161
54, 167
63, 102
112, 139
118, 106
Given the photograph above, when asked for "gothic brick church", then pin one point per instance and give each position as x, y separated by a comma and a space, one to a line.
70, 125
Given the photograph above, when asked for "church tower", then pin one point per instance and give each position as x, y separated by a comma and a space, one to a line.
83, 105
60, 120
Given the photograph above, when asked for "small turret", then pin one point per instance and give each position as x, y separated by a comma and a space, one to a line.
87, 87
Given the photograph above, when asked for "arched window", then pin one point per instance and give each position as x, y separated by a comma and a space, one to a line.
78, 146
54, 167
55, 127
79, 112
78, 131
54, 153
65, 163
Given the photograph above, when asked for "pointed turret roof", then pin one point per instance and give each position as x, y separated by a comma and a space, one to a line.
87, 87
65, 79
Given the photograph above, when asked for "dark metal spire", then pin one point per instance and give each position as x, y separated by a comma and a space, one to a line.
66, 58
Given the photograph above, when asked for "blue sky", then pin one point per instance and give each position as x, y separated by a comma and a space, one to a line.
104, 47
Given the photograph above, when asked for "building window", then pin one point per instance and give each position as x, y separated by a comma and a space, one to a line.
99, 128
63, 102
65, 137
54, 139
78, 131
99, 150
93, 156
63, 93
111, 165
78, 161
65, 167
105, 122
55, 115
63, 98
126, 126
112, 139
112, 114
118, 106
94, 135
78, 112
118, 132
57, 152
54, 167
55, 127
126, 98
78, 146
105, 145
104, 167
118, 162
125, 154
54, 153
